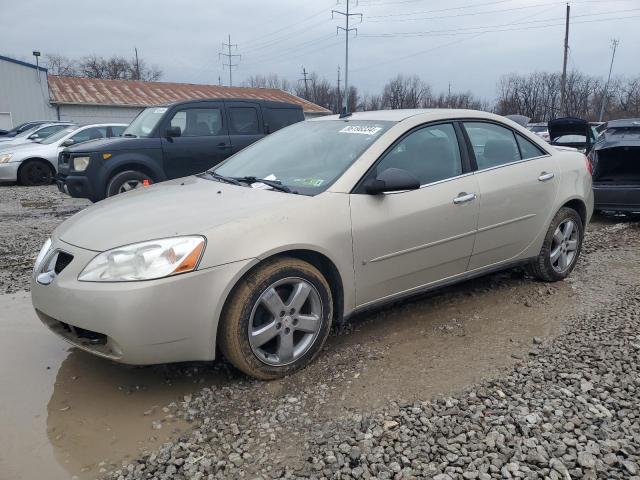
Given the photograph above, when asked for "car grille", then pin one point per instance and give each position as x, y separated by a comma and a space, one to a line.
63, 260
64, 158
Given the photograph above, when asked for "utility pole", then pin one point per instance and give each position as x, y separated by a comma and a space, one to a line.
229, 57
563, 91
219, 81
306, 85
338, 93
449, 97
137, 64
347, 15
614, 44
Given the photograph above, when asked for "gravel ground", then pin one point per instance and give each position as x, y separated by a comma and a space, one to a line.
565, 405
571, 411
28, 216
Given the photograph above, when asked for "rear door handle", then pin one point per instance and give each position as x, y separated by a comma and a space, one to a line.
224, 145
546, 176
464, 198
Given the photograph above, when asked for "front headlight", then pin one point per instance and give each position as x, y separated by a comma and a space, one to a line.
5, 157
80, 164
146, 260
43, 253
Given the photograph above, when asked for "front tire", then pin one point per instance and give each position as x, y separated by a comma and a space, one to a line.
125, 181
35, 173
277, 319
561, 248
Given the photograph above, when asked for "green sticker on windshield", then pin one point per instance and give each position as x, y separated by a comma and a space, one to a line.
312, 182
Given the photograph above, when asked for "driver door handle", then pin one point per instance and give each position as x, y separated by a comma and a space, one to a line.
464, 197
224, 145
546, 176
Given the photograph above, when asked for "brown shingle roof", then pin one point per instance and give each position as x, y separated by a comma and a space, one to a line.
93, 91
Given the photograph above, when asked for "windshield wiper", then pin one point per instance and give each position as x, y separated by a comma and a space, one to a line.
222, 178
275, 184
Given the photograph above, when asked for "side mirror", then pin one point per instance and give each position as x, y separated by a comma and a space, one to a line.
173, 132
68, 142
33, 136
392, 180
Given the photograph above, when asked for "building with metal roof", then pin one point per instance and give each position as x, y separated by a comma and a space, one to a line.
27, 93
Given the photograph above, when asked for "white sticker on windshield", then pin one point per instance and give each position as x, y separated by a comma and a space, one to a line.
361, 129
160, 110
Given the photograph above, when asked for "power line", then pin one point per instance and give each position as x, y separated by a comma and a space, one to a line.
347, 16
563, 86
614, 45
479, 34
285, 28
230, 58
488, 28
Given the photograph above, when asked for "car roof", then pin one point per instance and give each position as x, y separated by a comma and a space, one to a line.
429, 114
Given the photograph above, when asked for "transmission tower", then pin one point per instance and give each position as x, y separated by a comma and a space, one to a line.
305, 79
347, 16
229, 57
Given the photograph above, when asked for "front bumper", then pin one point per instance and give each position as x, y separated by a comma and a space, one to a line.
77, 186
173, 319
621, 198
9, 171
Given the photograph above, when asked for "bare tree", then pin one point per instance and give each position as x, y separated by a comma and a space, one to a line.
60, 65
271, 80
405, 92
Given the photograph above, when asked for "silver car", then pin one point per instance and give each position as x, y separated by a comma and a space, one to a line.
36, 163
260, 256
33, 134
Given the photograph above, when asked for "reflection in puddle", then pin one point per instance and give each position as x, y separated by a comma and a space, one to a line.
63, 411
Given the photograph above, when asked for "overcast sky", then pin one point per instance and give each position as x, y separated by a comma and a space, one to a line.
469, 43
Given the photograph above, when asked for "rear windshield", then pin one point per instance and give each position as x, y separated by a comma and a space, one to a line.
623, 131
538, 129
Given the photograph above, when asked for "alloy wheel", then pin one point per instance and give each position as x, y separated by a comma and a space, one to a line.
129, 185
285, 321
564, 246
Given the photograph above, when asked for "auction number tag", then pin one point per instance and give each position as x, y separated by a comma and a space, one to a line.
361, 129
160, 110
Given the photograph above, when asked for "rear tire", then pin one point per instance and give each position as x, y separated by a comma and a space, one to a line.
35, 173
264, 330
561, 248
125, 181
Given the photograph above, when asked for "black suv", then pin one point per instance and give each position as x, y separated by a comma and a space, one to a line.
168, 142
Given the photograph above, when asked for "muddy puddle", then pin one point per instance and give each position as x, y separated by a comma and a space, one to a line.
65, 413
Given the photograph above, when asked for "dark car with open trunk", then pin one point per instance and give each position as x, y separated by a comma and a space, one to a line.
616, 167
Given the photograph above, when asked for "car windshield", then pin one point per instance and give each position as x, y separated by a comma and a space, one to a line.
145, 122
58, 135
307, 157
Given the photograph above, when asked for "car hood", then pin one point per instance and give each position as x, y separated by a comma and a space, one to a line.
186, 206
24, 150
114, 144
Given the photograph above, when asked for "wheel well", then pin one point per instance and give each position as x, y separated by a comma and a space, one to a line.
132, 166
580, 207
24, 162
326, 267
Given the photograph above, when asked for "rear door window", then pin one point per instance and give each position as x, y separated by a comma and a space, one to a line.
528, 149
198, 122
244, 121
493, 145
117, 131
278, 118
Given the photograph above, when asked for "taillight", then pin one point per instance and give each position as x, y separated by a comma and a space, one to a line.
589, 165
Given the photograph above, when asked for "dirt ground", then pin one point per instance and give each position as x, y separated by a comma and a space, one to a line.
65, 413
